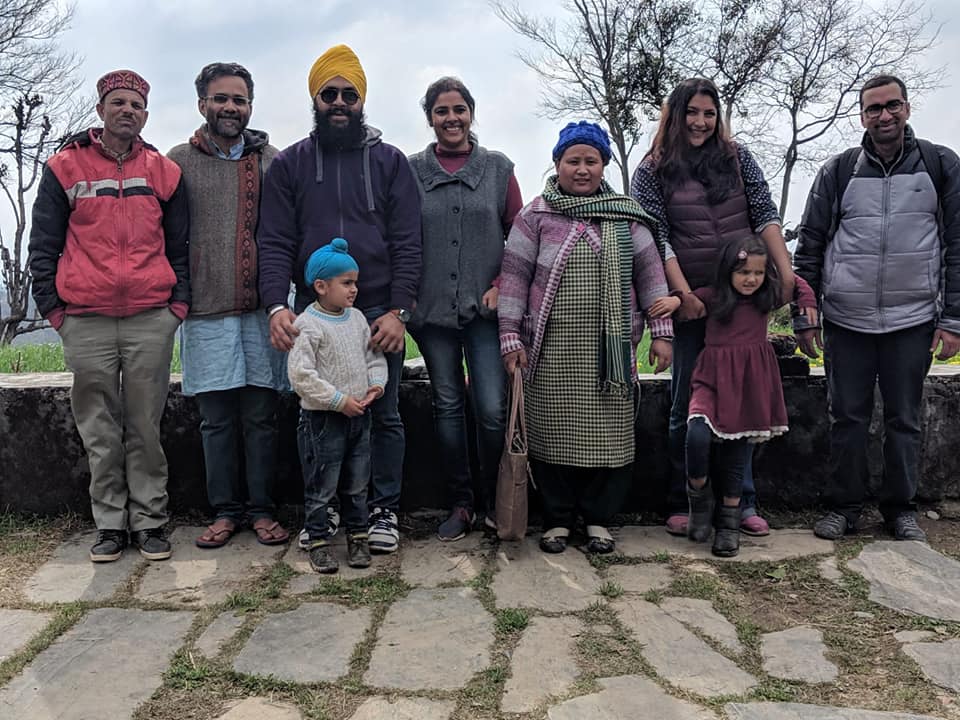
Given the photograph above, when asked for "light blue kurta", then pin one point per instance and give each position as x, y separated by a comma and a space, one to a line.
230, 351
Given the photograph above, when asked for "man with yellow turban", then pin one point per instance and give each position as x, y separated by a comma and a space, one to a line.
344, 181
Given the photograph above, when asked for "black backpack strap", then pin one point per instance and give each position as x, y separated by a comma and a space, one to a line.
931, 160
844, 171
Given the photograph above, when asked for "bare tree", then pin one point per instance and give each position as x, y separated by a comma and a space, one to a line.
613, 61
829, 50
39, 106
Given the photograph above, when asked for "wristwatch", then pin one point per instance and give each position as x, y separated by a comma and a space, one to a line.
402, 315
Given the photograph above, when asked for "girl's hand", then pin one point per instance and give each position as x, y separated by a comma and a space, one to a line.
661, 350
664, 306
490, 298
515, 359
691, 308
812, 316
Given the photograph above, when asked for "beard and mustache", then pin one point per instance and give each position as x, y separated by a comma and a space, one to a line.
339, 138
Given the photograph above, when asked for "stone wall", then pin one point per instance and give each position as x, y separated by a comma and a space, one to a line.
43, 468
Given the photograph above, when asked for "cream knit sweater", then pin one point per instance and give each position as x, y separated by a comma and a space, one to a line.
332, 360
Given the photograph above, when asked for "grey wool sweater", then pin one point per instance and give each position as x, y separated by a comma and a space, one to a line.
224, 198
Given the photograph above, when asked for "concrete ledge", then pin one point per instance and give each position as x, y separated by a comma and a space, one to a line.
43, 468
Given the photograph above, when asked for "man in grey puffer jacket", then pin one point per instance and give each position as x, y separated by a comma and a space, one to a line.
880, 245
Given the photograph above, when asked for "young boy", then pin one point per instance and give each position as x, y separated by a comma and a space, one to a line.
337, 377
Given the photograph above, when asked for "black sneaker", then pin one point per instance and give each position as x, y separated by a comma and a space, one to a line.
832, 526
457, 525
321, 557
109, 546
905, 527
358, 550
152, 543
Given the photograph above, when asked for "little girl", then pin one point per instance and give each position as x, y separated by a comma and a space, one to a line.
736, 398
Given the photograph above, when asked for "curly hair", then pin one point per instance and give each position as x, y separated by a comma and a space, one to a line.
713, 164
733, 256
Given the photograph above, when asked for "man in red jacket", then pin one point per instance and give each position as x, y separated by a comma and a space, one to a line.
110, 266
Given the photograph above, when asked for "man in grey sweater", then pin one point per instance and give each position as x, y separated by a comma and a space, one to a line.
880, 245
228, 362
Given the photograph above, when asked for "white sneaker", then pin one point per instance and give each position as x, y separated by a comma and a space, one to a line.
333, 520
384, 531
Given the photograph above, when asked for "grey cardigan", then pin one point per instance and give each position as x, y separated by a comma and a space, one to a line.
463, 234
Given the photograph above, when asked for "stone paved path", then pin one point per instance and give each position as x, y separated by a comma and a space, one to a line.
467, 629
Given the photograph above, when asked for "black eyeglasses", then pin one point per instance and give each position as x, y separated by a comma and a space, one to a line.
892, 107
221, 99
349, 96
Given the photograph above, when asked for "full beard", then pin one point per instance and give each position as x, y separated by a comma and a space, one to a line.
339, 138
223, 127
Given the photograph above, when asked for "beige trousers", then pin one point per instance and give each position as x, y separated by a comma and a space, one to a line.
121, 376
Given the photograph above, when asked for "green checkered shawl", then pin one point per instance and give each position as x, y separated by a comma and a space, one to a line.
615, 213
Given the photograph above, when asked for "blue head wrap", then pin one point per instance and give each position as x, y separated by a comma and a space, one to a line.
329, 261
583, 133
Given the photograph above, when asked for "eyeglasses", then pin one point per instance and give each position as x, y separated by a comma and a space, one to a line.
349, 96
892, 107
222, 99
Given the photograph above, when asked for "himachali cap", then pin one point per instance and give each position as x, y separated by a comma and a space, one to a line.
122, 80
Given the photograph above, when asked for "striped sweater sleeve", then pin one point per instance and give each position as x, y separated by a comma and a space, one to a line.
649, 281
516, 275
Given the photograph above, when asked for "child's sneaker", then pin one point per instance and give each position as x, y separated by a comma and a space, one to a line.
358, 550
321, 557
384, 531
333, 522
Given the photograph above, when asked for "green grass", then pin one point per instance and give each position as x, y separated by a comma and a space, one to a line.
48, 357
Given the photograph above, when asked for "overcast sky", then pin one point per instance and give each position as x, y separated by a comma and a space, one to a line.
402, 46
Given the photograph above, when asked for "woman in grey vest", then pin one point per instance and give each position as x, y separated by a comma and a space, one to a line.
470, 197
704, 190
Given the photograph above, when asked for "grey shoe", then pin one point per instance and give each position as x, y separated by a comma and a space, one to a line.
832, 526
457, 525
905, 527
321, 557
358, 550
152, 543
109, 546
384, 531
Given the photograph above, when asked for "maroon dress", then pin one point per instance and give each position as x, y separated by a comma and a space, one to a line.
736, 384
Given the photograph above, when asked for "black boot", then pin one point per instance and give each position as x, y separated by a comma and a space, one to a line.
726, 543
699, 522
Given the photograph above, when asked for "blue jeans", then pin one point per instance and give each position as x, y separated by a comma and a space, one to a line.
444, 351
730, 457
387, 439
855, 363
234, 424
334, 452
687, 343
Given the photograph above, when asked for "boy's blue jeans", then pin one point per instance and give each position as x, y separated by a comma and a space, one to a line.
334, 453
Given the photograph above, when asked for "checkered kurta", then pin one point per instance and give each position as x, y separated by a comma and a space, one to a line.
568, 421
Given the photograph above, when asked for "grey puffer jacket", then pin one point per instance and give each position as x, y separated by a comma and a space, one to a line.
877, 257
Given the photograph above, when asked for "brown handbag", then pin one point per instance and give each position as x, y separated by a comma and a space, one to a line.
514, 472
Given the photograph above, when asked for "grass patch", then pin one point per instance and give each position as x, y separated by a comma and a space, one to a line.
610, 590
372, 590
48, 357
511, 620
696, 585
187, 672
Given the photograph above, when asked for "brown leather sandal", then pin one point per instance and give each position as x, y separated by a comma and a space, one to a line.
270, 532
218, 534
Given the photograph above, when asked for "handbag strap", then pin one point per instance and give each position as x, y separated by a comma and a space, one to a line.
517, 426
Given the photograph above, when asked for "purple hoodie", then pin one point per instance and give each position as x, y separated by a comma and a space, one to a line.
366, 195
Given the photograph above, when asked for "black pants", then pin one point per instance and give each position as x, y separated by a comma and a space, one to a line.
730, 458
566, 491
855, 363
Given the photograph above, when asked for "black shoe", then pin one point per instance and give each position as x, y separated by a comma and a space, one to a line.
905, 527
152, 543
832, 526
700, 517
726, 542
109, 546
457, 525
321, 559
358, 550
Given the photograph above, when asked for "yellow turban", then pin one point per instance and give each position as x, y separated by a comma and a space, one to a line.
341, 61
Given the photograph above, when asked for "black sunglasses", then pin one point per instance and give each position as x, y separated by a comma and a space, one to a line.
329, 95
221, 99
